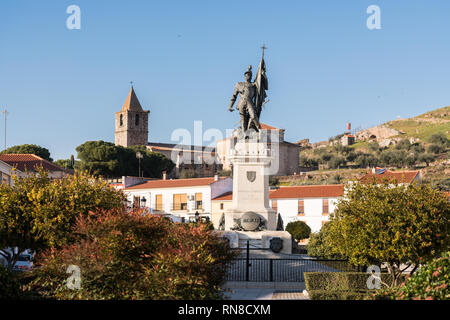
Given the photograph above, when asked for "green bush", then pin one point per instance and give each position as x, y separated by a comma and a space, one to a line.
337, 295
340, 280
340, 285
9, 286
430, 282
298, 229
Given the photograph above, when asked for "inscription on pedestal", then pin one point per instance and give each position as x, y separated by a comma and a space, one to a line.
250, 221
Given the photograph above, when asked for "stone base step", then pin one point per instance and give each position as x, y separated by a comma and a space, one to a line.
254, 243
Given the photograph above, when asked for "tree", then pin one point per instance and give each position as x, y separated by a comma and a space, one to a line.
67, 163
317, 247
280, 224
29, 149
440, 139
390, 223
364, 160
38, 212
374, 146
128, 255
106, 159
435, 148
403, 144
299, 230
336, 161
426, 157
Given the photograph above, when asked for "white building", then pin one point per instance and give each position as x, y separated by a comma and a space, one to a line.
312, 204
6, 173
180, 197
29, 163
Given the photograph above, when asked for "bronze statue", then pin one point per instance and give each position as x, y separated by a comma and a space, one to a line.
252, 97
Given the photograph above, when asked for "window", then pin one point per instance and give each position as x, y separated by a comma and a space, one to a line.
180, 201
221, 206
301, 207
137, 120
136, 202
198, 201
325, 206
275, 205
121, 120
158, 202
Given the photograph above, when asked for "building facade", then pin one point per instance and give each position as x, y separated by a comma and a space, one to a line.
180, 197
311, 204
7, 172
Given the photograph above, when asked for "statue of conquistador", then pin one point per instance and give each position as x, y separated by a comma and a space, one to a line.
246, 104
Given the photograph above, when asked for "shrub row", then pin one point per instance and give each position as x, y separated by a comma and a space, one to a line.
340, 285
338, 294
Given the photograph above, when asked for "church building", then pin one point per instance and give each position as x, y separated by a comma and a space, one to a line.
132, 129
131, 123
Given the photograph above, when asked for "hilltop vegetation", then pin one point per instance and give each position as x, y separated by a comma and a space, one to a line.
425, 125
422, 142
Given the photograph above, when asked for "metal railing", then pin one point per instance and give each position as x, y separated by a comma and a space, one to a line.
281, 269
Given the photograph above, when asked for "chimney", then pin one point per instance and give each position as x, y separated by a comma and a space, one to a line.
164, 175
216, 177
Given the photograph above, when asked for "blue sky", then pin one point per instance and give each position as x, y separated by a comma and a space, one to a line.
325, 68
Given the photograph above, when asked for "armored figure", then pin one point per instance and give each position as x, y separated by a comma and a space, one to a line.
246, 104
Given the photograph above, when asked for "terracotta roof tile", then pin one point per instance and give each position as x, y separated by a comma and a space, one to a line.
175, 183
132, 102
29, 162
267, 127
299, 192
389, 176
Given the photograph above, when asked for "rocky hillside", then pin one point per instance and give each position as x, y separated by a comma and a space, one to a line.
419, 128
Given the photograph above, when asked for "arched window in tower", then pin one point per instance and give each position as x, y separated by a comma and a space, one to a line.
137, 120
121, 120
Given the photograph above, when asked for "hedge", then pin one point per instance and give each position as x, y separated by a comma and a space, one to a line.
338, 294
340, 285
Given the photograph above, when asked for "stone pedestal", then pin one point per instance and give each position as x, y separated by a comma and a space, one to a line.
251, 161
251, 218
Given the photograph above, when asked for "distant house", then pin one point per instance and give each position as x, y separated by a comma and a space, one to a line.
180, 197
6, 173
348, 139
381, 175
312, 204
30, 163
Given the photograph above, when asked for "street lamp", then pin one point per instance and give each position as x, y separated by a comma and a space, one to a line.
197, 216
139, 156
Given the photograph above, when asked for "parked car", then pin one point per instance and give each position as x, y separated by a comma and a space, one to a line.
24, 262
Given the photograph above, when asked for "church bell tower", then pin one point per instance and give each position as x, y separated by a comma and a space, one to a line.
131, 123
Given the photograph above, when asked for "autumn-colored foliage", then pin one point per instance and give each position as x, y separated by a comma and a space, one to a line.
38, 212
128, 255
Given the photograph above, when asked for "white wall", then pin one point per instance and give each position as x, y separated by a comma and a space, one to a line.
167, 198
288, 209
